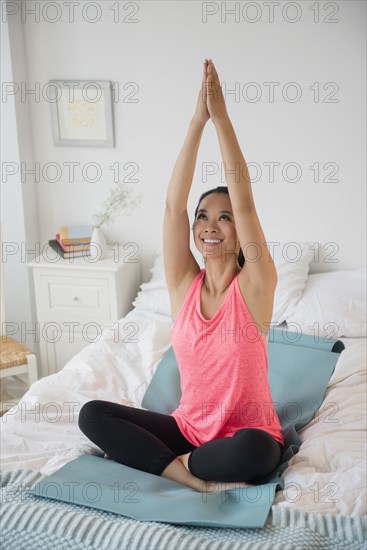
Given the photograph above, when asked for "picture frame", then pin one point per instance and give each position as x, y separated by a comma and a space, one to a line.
81, 113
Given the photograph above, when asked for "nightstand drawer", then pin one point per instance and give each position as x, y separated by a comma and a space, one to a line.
77, 300
81, 297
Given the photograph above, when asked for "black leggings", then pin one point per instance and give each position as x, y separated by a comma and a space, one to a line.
149, 441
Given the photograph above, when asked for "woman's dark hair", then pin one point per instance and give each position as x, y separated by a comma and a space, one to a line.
221, 189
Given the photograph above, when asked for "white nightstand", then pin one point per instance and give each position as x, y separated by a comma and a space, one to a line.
76, 299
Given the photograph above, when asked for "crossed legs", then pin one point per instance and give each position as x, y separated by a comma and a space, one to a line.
153, 442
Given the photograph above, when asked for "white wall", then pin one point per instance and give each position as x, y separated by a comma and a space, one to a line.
160, 47
18, 200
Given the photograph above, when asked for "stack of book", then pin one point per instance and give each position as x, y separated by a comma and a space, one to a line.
73, 241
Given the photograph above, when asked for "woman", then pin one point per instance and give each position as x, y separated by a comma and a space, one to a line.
225, 432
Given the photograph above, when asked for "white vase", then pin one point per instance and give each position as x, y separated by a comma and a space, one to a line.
98, 244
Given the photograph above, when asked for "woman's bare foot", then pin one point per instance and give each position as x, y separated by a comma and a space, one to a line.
193, 482
213, 486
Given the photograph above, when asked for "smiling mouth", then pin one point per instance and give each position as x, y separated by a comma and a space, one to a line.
205, 241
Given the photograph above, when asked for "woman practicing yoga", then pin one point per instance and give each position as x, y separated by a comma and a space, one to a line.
225, 433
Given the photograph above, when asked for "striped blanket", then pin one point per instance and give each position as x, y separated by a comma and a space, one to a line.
28, 522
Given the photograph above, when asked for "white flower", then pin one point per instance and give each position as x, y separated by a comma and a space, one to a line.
118, 201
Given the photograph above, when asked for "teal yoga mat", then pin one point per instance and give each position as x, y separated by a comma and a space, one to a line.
300, 367
94, 482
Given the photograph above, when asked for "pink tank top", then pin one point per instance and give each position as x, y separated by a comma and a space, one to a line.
223, 365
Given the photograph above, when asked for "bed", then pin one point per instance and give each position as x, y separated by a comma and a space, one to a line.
324, 501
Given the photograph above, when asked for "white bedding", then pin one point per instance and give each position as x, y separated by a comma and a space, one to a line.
327, 475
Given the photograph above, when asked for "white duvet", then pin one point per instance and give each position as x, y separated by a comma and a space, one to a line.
327, 475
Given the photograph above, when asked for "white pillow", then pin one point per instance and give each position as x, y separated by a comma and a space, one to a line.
333, 304
157, 270
291, 260
154, 298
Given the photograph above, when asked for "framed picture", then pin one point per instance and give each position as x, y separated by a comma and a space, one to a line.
81, 113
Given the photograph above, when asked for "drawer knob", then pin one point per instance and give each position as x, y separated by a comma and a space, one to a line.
75, 299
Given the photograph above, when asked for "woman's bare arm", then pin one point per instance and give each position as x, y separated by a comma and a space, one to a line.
260, 267
179, 262
259, 263
235, 167
183, 171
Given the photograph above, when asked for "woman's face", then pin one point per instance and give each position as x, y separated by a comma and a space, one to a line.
214, 221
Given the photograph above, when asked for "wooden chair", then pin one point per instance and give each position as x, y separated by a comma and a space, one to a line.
15, 357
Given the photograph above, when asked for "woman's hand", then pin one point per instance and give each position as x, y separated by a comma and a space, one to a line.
214, 99
201, 114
